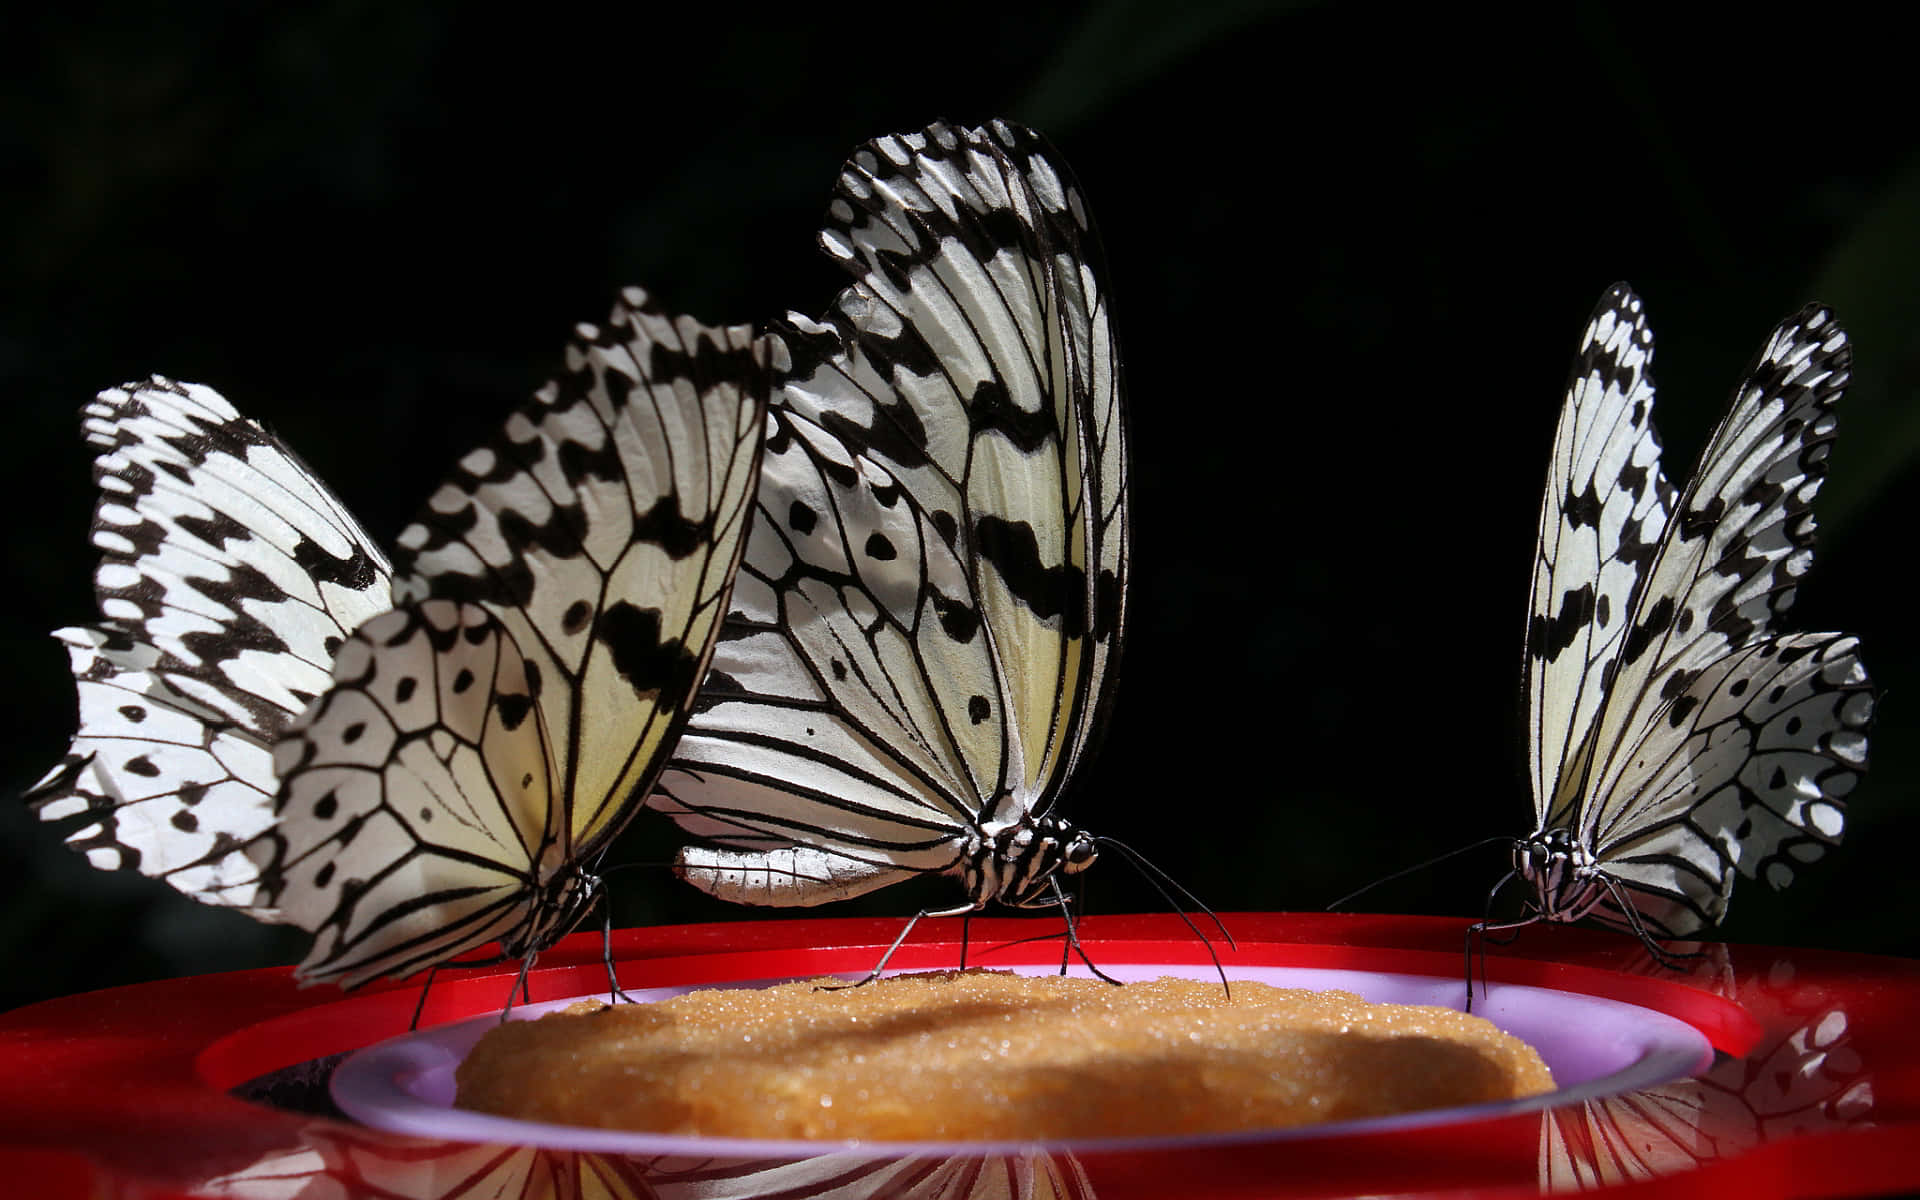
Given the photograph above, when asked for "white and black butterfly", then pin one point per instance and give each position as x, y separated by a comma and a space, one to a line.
557, 603
228, 577
1677, 737
922, 643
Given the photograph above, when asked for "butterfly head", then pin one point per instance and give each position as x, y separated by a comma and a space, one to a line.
1565, 877
1078, 853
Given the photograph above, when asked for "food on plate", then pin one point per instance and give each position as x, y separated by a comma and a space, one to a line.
979, 1055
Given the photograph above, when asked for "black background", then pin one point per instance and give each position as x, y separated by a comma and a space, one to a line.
1352, 250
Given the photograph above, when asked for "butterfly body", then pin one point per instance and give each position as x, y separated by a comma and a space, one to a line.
1678, 738
1013, 865
1567, 881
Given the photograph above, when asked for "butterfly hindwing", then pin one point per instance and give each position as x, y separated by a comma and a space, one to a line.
572, 573
842, 685
228, 576
414, 818
1749, 771
923, 639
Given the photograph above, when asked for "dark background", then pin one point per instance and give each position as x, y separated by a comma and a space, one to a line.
1352, 250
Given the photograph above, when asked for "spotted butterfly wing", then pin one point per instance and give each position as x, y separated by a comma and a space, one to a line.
1804, 1077
922, 642
1677, 736
229, 575
483, 742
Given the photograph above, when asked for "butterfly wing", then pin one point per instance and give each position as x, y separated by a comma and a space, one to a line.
931, 642
568, 580
417, 800
1721, 744
603, 527
851, 669
228, 576
1806, 1080
1748, 770
1601, 517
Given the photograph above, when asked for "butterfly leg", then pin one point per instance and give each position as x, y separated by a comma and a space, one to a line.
520, 985
1670, 959
420, 1005
1487, 925
1480, 930
960, 911
1073, 937
1066, 915
615, 993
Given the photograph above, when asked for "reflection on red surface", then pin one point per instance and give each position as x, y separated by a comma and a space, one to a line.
344, 1163
124, 1092
1804, 1077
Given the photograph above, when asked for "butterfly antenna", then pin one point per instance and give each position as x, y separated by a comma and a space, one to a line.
1162, 881
1419, 866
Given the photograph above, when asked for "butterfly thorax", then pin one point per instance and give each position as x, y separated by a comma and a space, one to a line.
1015, 862
1566, 879
558, 903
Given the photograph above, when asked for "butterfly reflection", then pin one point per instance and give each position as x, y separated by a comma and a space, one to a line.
341, 1162
1803, 1080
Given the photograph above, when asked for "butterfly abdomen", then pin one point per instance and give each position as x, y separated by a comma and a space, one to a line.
785, 877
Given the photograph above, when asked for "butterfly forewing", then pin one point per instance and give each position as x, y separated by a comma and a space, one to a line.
1601, 516
568, 580
228, 576
977, 279
841, 681
922, 638
602, 526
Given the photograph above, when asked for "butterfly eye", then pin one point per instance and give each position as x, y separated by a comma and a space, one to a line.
1080, 854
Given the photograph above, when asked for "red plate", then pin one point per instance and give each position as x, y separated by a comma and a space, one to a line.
125, 1092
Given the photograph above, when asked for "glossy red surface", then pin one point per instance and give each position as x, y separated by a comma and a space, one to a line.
125, 1092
